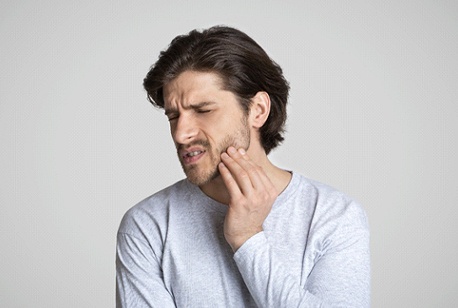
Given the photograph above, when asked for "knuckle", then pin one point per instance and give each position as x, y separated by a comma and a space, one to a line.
256, 168
267, 198
243, 174
251, 170
238, 200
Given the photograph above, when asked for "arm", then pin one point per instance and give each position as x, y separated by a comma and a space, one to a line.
339, 278
139, 281
340, 274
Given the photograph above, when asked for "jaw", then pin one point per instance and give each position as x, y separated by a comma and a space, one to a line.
203, 170
216, 189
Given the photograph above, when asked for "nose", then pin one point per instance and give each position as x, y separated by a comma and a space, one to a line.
184, 130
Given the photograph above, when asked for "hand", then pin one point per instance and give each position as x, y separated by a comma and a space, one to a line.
252, 195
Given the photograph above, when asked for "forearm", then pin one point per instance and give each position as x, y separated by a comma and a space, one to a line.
268, 279
337, 280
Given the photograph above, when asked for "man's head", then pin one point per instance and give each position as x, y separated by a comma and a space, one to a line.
243, 66
205, 120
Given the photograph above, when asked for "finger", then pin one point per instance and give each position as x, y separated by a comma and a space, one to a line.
267, 183
244, 154
239, 174
229, 181
253, 170
259, 178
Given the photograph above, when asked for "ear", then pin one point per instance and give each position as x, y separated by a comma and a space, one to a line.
259, 109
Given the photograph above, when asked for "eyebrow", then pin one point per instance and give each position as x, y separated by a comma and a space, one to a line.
169, 111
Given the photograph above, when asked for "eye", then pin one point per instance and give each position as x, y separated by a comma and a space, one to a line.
172, 117
202, 111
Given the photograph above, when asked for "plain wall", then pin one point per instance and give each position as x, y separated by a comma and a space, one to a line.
373, 112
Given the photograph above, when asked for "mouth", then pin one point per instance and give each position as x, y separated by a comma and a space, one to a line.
191, 157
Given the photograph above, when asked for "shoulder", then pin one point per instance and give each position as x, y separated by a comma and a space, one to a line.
337, 221
152, 211
329, 204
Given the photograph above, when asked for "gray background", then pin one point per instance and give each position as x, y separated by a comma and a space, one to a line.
372, 112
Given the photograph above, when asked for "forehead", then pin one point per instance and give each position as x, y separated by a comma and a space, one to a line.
190, 86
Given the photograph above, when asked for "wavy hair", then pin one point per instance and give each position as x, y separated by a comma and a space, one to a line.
244, 67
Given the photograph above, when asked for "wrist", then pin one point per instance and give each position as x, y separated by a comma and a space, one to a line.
237, 241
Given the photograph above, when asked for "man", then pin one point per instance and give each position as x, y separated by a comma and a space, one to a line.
239, 231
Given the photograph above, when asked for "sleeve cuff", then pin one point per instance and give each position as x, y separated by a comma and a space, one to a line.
249, 248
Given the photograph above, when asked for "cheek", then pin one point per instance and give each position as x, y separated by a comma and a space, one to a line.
224, 133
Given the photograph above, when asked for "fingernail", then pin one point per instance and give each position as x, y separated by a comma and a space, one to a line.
242, 151
224, 156
231, 150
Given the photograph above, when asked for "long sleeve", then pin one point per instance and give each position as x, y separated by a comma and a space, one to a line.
339, 276
313, 252
139, 279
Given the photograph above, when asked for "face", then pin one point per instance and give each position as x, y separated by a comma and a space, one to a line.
204, 121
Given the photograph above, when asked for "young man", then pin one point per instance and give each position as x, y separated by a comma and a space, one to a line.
238, 231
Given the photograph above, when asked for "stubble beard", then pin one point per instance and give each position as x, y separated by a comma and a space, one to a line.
200, 175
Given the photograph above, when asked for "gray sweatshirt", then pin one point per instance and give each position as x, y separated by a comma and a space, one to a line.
313, 252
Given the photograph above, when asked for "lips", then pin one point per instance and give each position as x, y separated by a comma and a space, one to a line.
191, 156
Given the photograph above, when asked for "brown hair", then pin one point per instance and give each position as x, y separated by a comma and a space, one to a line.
243, 65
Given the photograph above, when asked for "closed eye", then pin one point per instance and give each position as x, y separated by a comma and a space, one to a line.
172, 116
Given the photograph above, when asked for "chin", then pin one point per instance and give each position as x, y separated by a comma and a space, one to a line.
200, 178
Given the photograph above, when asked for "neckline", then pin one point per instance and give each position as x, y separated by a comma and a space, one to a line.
221, 207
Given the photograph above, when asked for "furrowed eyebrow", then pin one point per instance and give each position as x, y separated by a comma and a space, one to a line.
170, 111
200, 105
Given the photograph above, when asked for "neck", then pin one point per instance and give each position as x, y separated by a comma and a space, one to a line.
216, 189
